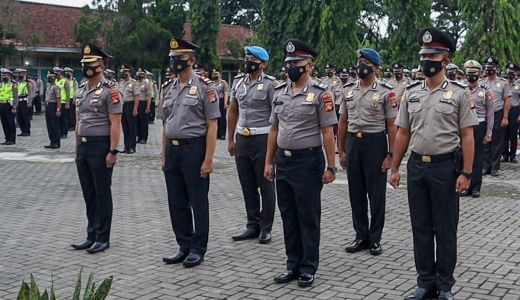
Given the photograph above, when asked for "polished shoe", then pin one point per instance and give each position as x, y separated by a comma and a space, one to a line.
192, 260
130, 151
504, 159
178, 258
422, 294
465, 193
63, 136
357, 246
494, 173
513, 160
142, 142
24, 134
51, 146
475, 194
98, 247
83, 246
445, 295
286, 277
124, 151
264, 237
248, 234
486, 172
375, 248
9, 143
305, 280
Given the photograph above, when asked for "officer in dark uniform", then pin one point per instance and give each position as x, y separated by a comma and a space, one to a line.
435, 118
368, 109
301, 126
249, 115
98, 126
190, 110
8, 106
511, 134
53, 111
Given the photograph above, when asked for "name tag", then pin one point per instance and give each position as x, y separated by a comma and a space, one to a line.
414, 100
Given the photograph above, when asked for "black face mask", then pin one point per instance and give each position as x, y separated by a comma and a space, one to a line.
20, 78
295, 73
124, 75
431, 67
69, 76
284, 76
472, 78
214, 76
398, 76
5, 79
364, 70
251, 66
89, 71
50, 80
491, 72
511, 76
140, 78
179, 65
329, 74
452, 76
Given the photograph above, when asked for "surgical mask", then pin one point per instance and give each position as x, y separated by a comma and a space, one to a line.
124, 75
473, 78
511, 76
491, 72
89, 71
295, 73
179, 65
431, 67
398, 76
364, 70
251, 66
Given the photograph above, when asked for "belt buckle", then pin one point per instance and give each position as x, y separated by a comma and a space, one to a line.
359, 134
175, 142
83, 139
246, 132
287, 153
426, 158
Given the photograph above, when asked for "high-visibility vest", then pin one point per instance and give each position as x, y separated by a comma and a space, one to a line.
6, 92
23, 91
71, 88
63, 94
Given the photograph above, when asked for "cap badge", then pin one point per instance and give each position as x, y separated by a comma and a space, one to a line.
427, 37
86, 50
490, 60
174, 44
448, 94
290, 47
471, 64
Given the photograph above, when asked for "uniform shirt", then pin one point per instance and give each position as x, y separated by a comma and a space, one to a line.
301, 117
129, 89
9, 93
145, 89
162, 92
367, 111
221, 87
515, 93
94, 105
484, 107
52, 94
255, 100
399, 86
500, 89
39, 87
188, 109
334, 84
435, 117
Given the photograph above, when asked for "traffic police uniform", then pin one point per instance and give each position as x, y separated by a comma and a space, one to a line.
434, 119
52, 111
187, 110
145, 93
94, 105
8, 103
25, 98
65, 96
511, 135
254, 101
300, 165
130, 90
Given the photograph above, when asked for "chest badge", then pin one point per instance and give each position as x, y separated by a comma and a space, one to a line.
310, 97
260, 87
447, 95
498, 85
350, 93
99, 91
481, 94
193, 90
375, 97
516, 87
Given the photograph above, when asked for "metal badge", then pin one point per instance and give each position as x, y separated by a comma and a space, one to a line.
175, 142
481, 94
99, 91
310, 97
246, 132
427, 37
83, 139
375, 97
350, 93
447, 94
260, 87
498, 84
426, 158
193, 90
287, 153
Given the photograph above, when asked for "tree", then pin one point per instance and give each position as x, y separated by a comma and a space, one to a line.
245, 13
170, 15
87, 27
9, 25
448, 18
370, 23
205, 25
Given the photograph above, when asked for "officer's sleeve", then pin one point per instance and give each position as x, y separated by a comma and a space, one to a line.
403, 117
232, 91
391, 104
274, 117
148, 88
270, 94
211, 108
466, 116
136, 91
114, 103
507, 91
343, 106
490, 113
326, 111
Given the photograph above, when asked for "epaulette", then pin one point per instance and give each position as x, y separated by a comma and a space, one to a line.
458, 83
348, 84
270, 77
166, 83
322, 86
108, 83
413, 84
239, 76
281, 85
387, 86
205, 80
484, 86
82, 84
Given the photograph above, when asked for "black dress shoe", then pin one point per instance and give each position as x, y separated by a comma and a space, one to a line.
9, 143
422, 294
47, 146
178, 258
124, 151
98, 247
445, 295
375, 248
504, 159
475, 194
306, 280
83, 246
55, 146
357, 246
286, 277
494, 173
513, 160
248, 234
130, 151
265, 237
142, 142
486, 172
63, 136
192, 260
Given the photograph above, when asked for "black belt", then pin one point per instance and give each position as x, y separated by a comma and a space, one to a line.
94, 139
432, 158
291, 153
361, 134
180, 142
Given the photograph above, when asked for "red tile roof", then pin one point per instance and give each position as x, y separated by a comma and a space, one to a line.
225, 34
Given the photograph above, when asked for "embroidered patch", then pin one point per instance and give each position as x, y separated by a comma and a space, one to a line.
211, 96
326, 98
114, 95
489, 96
393, 99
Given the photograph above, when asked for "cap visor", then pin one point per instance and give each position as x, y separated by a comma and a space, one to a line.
88, 60
294, 58
432, 50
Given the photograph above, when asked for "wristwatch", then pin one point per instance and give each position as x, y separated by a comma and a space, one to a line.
390, 153
333, 170
114, 151
466, 174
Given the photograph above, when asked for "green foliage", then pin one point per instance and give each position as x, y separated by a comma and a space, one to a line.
87, 27
245, 13
31, 292
205, 25
448, 18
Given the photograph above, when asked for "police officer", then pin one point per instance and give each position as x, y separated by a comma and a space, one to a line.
170, 78
99, 107
155, 92
511, 135
190, 110
343, 76
303, 116
144, 108
483, 132
130, 90
65, 95
451, 71
387, 75
250, 109
109, 75
435, 118
222, 89
399, 82
25, 98
73, 86
8, 105
37, 102
501, 101
353, 74
53, 111
368, 111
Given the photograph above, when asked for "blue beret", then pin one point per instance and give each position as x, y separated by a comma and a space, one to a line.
257, 52
371, 55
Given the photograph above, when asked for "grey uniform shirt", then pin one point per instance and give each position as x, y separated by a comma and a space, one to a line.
145, 89
162, 92
515, 93
484, 107
129, 89
221, 87
368, 110
334, 84
434, 118
94, 105
301, 117
500, 89
186, 110
52, 94
255, 100
399, 86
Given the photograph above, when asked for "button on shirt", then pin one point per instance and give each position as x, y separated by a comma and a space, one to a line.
368, 110
129, 89
300, 117
254, 100
500, 89
435, 117
94, 105
188, 109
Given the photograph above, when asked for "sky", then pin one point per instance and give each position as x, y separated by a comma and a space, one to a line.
76, 3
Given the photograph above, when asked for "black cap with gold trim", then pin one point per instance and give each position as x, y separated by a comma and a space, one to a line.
179, 47
140, 72
92, 53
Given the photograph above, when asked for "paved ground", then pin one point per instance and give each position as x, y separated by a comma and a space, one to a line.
42, 212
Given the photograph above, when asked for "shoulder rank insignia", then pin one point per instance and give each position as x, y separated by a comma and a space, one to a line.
386, 86
205, 80
166, 83
322, 86
414, 84
270, 77
458, 83
281, 85
348, 84
239, 76
114, 95
108, 83
326, 98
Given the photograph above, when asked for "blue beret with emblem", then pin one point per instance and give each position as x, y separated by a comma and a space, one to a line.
257, 52
370, 54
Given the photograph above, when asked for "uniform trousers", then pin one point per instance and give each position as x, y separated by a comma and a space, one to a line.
7, 120
23, 117
64, 120
53, 123
511, 135
493, 150
128, 122
142, 122
479, 133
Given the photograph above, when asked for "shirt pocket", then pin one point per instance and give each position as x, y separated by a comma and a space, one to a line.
350, 103
278, 109
307, 109
189, 101
414, 107
445, 107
